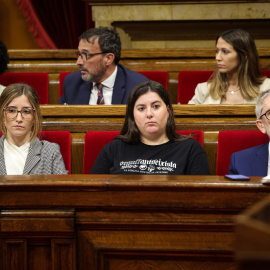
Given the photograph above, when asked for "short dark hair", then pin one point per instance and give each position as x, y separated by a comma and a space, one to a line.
108, 40
16, 90
4, 58
130, 132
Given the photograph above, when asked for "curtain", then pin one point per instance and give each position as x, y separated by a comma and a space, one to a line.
57, 24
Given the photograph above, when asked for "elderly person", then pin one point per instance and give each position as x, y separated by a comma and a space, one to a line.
254, 161
21, 152
148, 143
237, 79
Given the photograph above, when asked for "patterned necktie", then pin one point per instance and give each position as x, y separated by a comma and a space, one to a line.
100, 99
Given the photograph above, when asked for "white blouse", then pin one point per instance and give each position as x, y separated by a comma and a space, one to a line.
15, 157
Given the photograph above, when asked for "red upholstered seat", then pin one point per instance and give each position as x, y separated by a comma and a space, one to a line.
234, 141
63, 139
158, 76
266, 73
95, 140
187, 82
62, 76
38, 80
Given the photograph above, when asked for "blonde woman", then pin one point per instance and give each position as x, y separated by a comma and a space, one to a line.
21, 152
237, 79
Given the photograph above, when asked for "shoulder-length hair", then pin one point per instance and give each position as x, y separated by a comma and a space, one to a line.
130, 132
249, 75
15, 90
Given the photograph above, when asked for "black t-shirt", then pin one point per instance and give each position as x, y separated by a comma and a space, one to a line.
186, 157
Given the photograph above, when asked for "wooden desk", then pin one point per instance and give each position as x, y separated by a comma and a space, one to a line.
121, 222
209, 118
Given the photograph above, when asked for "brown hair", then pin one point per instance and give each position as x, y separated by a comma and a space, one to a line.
130, 132
15, 90
249, 75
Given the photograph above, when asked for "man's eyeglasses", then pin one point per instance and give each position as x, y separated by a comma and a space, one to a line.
267, 115
26, 113
86, 56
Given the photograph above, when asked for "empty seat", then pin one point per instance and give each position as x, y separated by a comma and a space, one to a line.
187, 82
158, 76
38, 80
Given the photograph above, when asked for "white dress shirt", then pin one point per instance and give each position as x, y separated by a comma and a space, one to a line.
107, 90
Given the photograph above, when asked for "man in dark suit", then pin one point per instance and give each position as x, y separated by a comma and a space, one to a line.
101, 79
255, 161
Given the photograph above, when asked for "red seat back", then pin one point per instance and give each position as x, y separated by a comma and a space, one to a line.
266, 73
158, 76
63, 139
234, 141
38, 80
62, 76
95, 140
187, 82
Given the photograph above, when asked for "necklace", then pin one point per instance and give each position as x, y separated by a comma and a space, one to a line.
233, 91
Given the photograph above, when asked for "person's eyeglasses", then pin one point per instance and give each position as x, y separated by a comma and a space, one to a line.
267, 115
86, 56
26, 113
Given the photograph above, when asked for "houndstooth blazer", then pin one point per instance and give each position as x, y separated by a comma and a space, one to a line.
43, 158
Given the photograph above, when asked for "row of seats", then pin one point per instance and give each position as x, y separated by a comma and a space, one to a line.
40, 81
228, 143
187, 81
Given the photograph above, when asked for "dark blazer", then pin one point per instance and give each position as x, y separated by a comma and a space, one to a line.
251, 162
43, 158
77, 91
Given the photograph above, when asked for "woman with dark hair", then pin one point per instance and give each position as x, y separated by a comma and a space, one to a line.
148, 143
21, 152
4, 60
237, 78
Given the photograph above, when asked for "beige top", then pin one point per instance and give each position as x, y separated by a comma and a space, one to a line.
202, 95
1, 88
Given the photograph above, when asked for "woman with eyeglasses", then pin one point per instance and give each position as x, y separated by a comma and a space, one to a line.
237, 78
21, 152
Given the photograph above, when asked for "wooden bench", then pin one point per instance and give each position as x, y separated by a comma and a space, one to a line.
172, 60
209, 118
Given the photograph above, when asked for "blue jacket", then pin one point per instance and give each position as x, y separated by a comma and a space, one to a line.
77, 91
251, 162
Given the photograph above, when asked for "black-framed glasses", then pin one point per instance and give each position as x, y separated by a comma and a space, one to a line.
267, 115
86, 56
26, 113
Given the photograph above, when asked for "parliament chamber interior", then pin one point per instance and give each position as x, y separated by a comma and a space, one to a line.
113, 222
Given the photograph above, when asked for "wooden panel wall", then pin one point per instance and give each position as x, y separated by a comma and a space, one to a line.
119, 222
